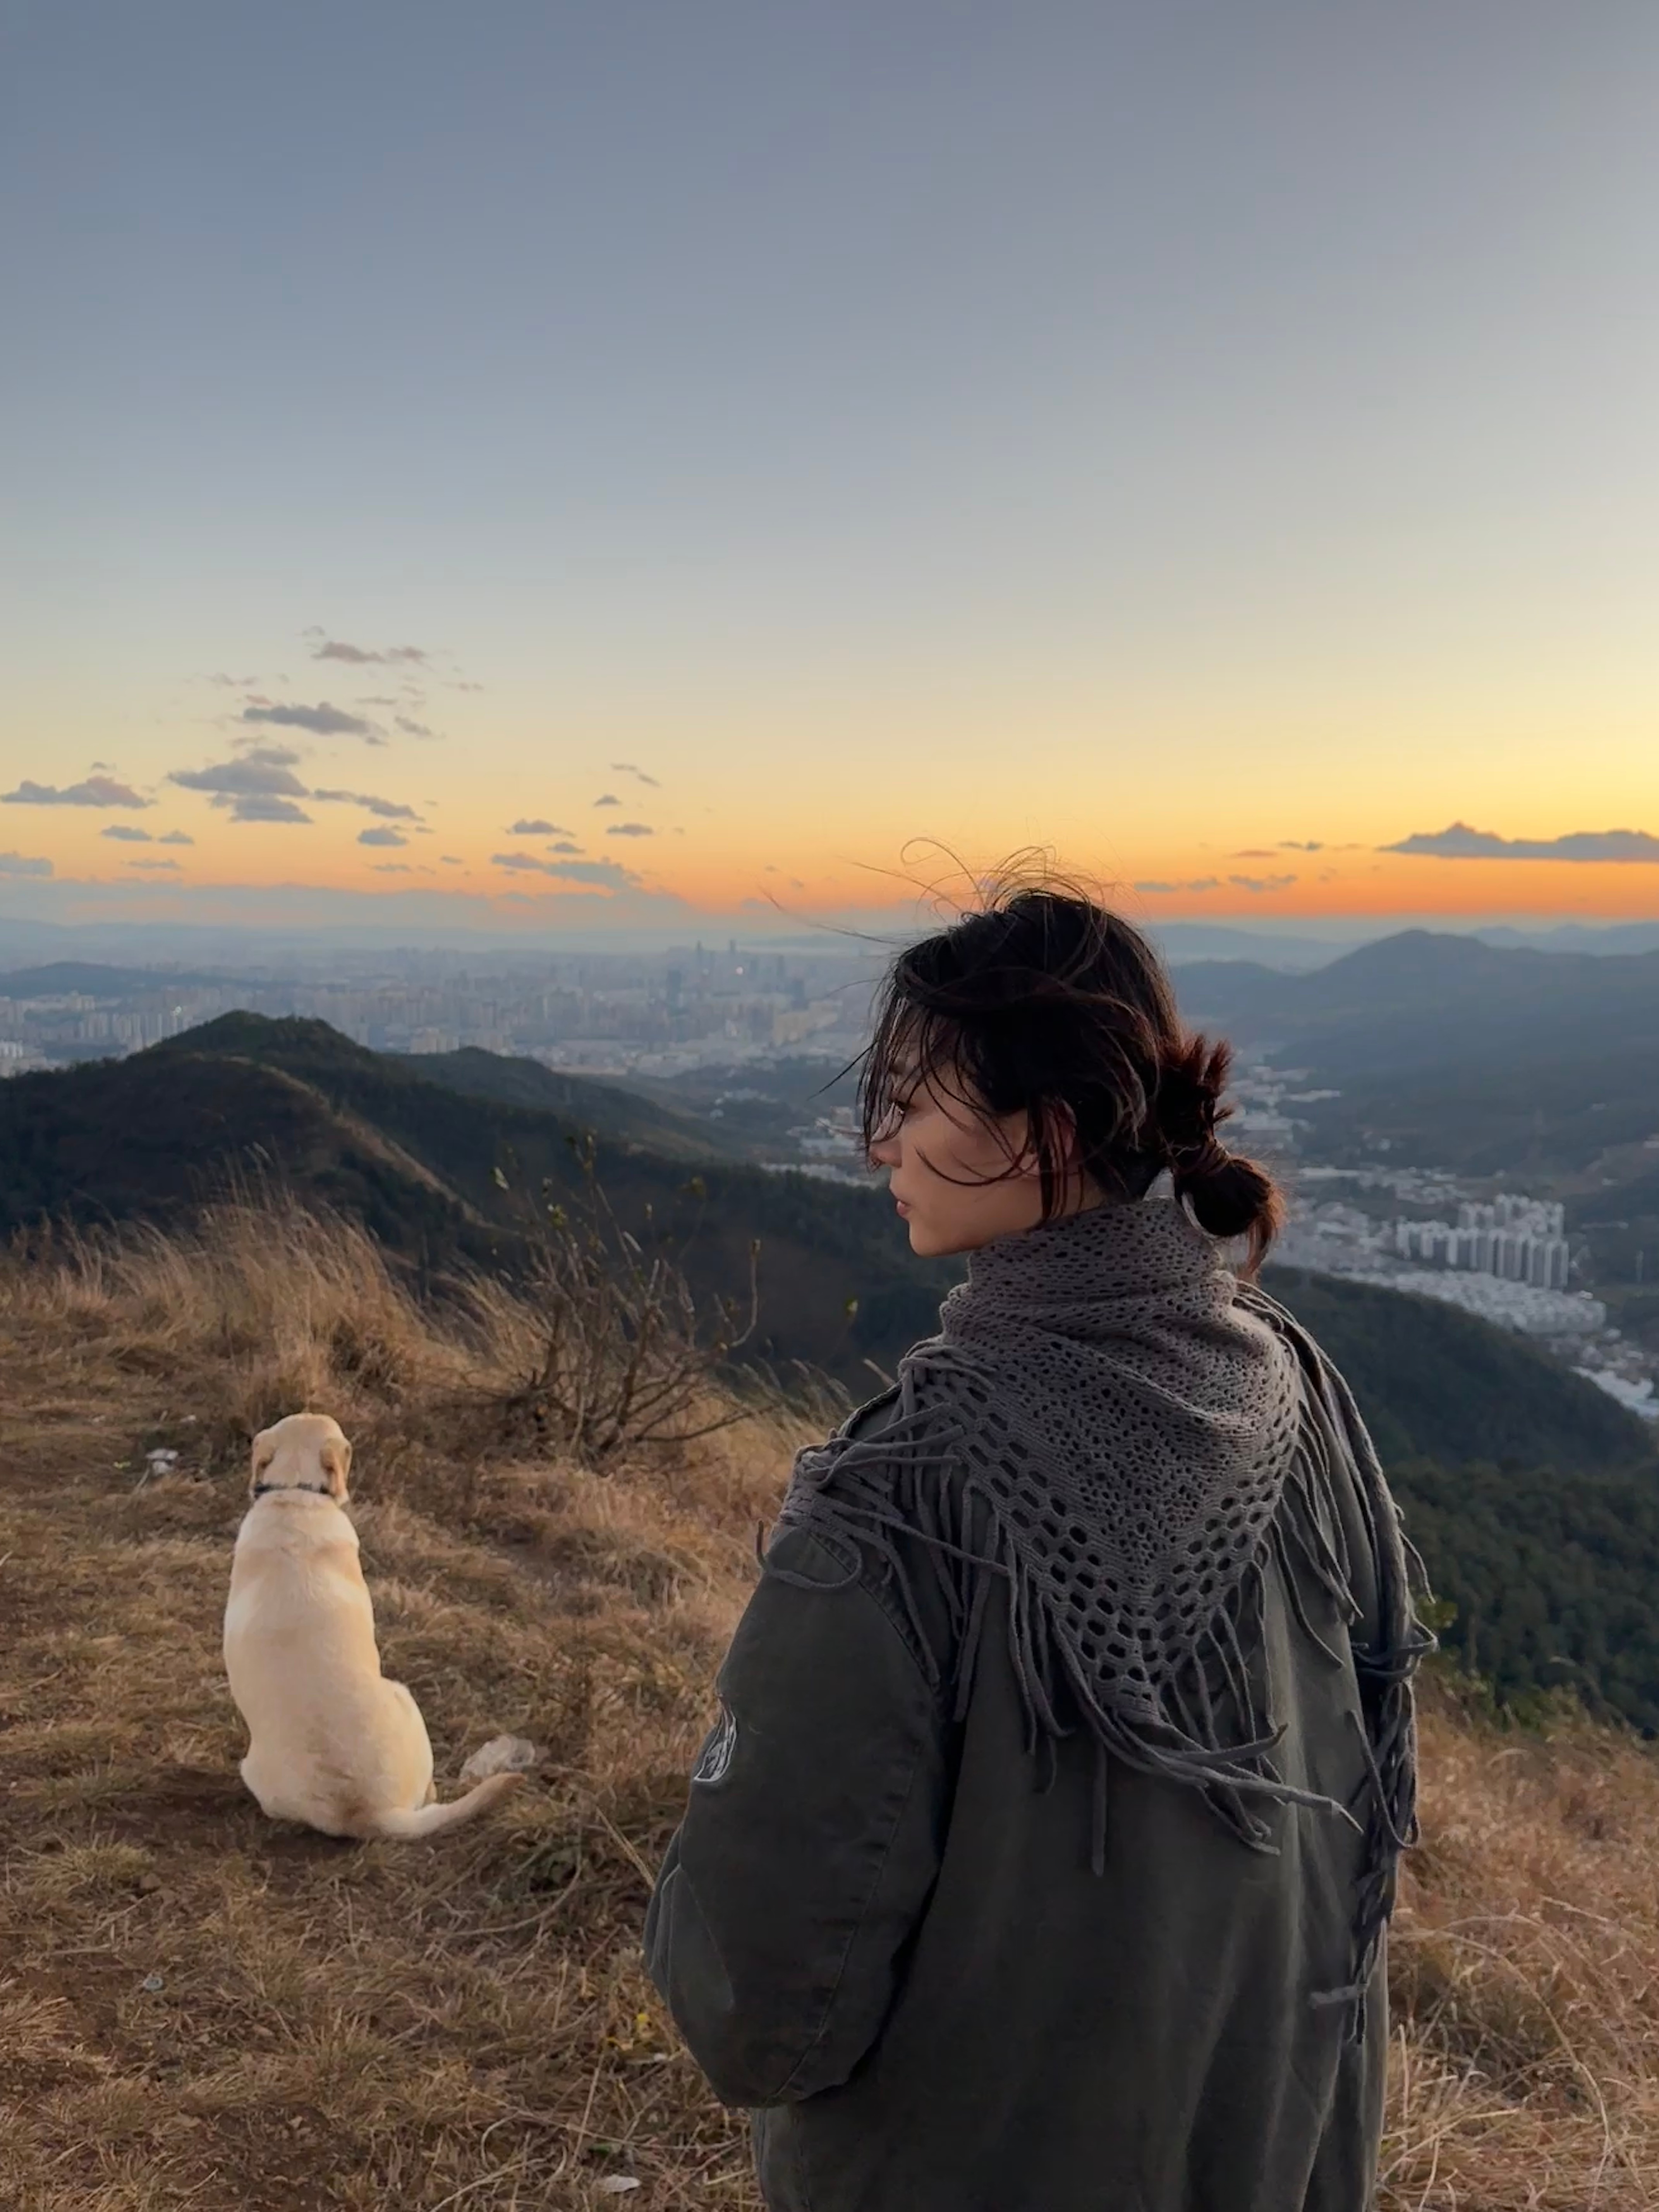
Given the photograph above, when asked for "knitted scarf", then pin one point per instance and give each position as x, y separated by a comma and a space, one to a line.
1114, 1425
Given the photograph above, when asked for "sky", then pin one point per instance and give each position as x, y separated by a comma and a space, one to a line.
632, 463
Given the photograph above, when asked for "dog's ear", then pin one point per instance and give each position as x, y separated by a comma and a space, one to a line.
264, 1451
337, 1466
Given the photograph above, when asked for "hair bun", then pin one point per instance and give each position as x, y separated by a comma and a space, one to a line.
1230, 1195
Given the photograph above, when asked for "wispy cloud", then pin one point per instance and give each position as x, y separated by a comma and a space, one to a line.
608, 798
1461, 843
322, 720
412, 729
389, 810
384, 836
628, 768
533, 826
1300, 845
609, 872
564, 845
259, 786
365, 656
451, 859
175, 837
1262, 882
1197, 883
128, 833
262, 807
170, 867
1256, 853
630, 829
93, 791
21, 863
393, 868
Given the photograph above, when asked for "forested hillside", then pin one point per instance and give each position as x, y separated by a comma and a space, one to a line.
1532, 1496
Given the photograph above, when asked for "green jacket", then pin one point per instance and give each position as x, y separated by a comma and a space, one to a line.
878, 1926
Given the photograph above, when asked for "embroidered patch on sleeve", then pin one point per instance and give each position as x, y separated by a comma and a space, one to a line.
716, 1754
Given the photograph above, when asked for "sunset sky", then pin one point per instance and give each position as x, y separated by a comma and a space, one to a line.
1216, 442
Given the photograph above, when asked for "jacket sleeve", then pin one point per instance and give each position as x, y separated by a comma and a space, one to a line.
812, 1838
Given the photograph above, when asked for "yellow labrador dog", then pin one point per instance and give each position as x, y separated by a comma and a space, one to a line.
332, 1742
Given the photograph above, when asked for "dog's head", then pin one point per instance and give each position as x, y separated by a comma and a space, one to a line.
305, 1451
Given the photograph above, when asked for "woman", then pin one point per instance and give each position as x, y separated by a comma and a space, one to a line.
1041, 1858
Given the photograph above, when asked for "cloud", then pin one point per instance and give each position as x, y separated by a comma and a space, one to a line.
414, 729
391, 867
128, 833
175, 837
627, 767
1256, 853
532, 826
609, 873
1260, 882
609, 799
267, 771
1300, 845
451, 859
322, 720
630, 829
159, 865
1461, 842
20, 864
362, 656
1198, 884
261, 806
389, 810
94, 790
564, 846
381, 837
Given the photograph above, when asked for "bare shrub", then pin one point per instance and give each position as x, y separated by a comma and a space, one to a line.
625, 1354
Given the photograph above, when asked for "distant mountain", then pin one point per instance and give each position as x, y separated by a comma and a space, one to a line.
86, 978
1183, 942
1428, 1000
1447, 1051
1581, 937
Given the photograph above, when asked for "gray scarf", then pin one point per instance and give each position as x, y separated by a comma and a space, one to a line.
1109, 1422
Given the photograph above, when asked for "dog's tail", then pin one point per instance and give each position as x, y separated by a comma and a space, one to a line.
431, 1820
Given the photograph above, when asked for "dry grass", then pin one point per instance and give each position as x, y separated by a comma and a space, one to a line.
197, 2009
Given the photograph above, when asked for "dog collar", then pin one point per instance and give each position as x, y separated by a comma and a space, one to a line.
273, 1489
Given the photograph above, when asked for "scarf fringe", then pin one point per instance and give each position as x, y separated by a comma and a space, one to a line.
1207, 1728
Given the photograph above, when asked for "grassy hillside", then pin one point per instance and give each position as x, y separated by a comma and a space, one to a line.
441, 1172
199, 2008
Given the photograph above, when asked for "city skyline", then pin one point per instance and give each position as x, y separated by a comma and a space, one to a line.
630, 472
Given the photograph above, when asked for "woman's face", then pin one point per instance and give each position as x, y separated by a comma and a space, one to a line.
960, 1177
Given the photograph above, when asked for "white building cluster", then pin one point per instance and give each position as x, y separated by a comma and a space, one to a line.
1519, 1240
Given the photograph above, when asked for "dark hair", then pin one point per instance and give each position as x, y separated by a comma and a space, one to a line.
1044, 1002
